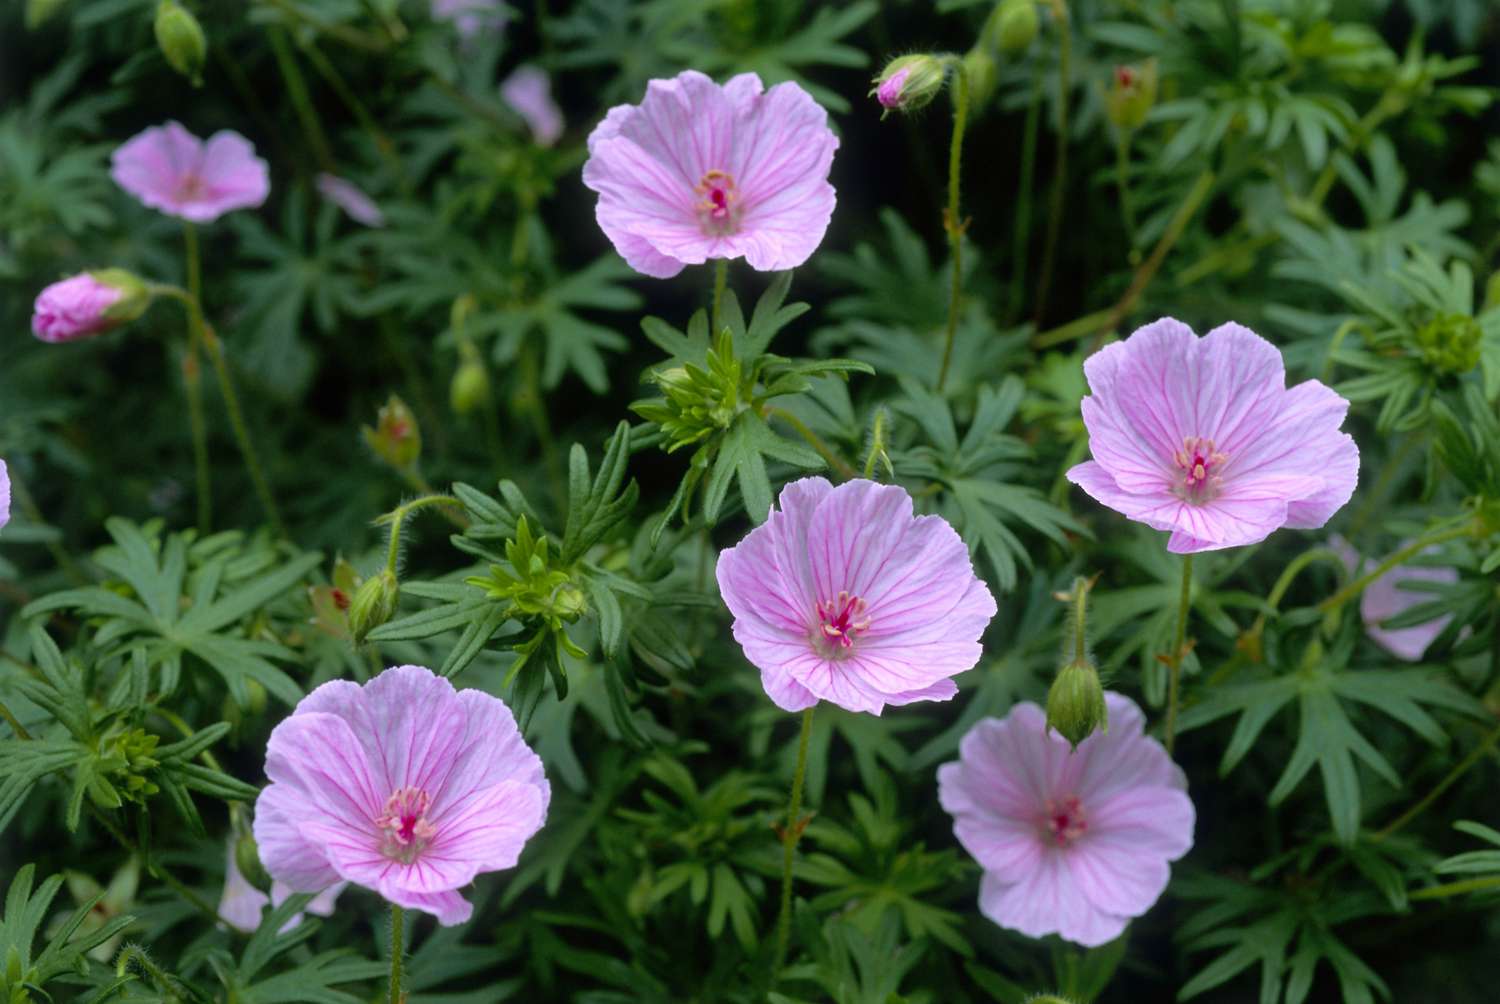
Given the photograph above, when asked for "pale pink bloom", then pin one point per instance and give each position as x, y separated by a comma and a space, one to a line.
74, 308
529, 92
888, 93
241, 904
405, 786
347, 196
1202, 437
699, 171
1388, 597
170, 169
1072, 842
470, 17
4, 494
843, 595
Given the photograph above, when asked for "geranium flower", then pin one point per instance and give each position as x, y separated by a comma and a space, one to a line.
1202, 437
843, 595
87, 304
404, 786
347, 196
529, 92
171, 170
4, 494
1388, 597
1071, 843
699, 171
241, 904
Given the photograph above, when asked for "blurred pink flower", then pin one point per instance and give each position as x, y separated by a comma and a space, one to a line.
170, 169
843, 595
1201, 436
241, 904
470, 17
1072, 843
699, 171
348, 197
405, 786
4, 494
1388, 597
529, 92
74, 308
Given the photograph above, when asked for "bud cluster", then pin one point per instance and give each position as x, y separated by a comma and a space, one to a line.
698, 400
396, 437
1450, 343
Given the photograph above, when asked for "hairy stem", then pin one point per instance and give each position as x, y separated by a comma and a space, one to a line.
241, 430
397, 515
397, 948
789, 839
951, 221
1060, 165
1174, 659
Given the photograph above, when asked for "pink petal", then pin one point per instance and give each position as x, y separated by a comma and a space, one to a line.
317, 757
1048, 901
449, 908
286, 854
235, 176
491, 751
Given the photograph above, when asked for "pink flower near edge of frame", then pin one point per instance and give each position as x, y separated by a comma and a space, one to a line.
404, 786
169, 169
844, 595
4, 494
1387, 597
699, 171
74, 308
1074, 843
1202, 437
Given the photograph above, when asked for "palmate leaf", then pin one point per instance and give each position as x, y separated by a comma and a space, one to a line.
64, 952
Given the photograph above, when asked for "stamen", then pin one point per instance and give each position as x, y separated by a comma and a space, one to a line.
717, 211
1200, 463
841, 620
1063, 820
406, 831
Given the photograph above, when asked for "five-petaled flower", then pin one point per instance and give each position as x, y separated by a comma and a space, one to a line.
843, 595
405, 786
171, 170
1202, 437
699, 171
1076, 842
1391, 595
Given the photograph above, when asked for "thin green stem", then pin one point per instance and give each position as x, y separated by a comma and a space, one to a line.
1174, 660
1122, 183
296, 86
397, 949
789, 838
383, 144
1459, 769
1020, 241
1440, 535
346, 34
13, 722
1060, 164
721, 280
397, 515
1080, 597
192, 380
1457, 888
241, 430
825, 451
951, 221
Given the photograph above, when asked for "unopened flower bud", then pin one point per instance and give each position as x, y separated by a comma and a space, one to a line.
1012, 25
983, 73
374, 603
1131, 94
909, 82
181, 39
470, 388
396, 438
1450, 343
1075, 704
88, 304
247, 860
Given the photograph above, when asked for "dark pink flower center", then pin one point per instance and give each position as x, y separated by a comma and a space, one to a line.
839, 621
1201, 465
1063, 822
717, 210
191, 188
405, 828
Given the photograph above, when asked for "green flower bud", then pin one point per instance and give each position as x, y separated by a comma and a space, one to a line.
1075, 704
1131, 95
135, 297
373, 604
396, 438
181, 39
910, 82
247, 860
470, 388
982, 71
1012, 25
1449, 343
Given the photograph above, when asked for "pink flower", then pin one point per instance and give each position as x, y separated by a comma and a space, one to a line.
529, 92
347, 196
241, 904
404, 786
889, 91
1073, 843
4, 494
170, 169
842, 595
1201, 436
470, 17
1388, 597
74, 308
699, 171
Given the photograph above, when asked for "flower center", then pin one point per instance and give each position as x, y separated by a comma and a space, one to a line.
1201, 465
191, 188
717, 212
1063, 822
405, 828
840, 620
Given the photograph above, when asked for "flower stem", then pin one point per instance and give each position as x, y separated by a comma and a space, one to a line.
296, 86
951, 221
789, 839
1440, 535
1459, 769
721, 279
399, 514
1060, 165
1458, 888
192, 382
241, 430
1174, 660
814, 440
15, 725
397, 940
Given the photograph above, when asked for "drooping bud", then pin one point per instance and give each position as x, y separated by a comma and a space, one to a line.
247, 860
1075, 704
396, 438
1449, 343
1131, 94
909, 82
88, 304
181, 39
374, 603
1012, 25
470, 388
983, 73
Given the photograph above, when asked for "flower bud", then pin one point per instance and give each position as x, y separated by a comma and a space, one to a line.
1449, 343
373, 604
396, 438
88, 304
247, 860
1075, 704
181, 39
910, 82
1131, 94
470, 388
1012, 25
982, 72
